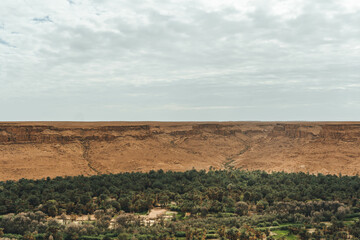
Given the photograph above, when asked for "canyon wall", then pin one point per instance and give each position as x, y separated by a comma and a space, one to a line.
49, 149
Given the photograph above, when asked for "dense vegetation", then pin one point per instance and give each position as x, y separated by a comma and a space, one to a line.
227, 204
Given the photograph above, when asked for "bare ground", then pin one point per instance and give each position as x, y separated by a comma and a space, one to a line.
49, 149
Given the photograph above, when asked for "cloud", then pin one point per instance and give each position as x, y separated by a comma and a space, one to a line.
4, 42
41, 20
241, 59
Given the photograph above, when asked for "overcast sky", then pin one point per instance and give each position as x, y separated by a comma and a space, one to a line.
179, 60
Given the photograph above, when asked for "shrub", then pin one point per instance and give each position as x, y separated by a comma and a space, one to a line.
180, 234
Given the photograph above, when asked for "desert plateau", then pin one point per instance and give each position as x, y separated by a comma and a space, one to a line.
36, 150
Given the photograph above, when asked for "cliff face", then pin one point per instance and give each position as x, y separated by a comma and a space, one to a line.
41, 149
50, 134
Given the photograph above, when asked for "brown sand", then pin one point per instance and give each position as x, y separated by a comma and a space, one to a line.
41, 149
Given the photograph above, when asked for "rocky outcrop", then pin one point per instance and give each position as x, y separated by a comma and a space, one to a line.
50, 134
321, 131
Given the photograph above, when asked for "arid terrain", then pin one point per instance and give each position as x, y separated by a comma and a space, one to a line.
41, 149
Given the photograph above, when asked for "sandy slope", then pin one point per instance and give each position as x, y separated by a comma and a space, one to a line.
41, 149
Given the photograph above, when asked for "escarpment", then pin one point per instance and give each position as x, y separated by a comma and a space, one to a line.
49, 149
50, 134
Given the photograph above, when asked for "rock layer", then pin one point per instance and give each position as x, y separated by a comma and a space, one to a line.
49, 149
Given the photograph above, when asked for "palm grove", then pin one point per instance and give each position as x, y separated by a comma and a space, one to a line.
225, 204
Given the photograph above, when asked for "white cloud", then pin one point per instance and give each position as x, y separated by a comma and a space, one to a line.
215, 53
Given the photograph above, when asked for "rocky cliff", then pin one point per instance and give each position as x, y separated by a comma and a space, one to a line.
42, 149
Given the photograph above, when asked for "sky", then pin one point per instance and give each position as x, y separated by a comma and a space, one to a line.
179, 60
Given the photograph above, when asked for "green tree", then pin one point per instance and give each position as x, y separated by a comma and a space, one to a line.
241, 208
